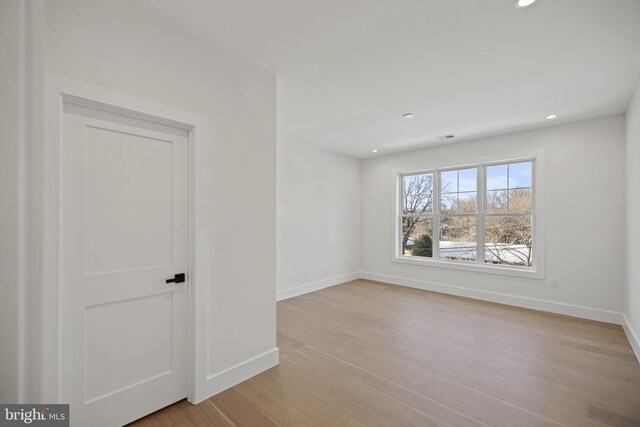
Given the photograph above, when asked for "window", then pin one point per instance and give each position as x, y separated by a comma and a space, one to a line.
508, 219
417, 214
458, 214
480, 215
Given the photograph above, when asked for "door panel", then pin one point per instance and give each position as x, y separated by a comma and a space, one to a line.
124, 233
128, 201
115, 346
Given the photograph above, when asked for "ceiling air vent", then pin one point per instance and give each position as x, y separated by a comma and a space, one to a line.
444, 137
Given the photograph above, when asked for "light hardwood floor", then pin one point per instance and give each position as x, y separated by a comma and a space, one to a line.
370, 354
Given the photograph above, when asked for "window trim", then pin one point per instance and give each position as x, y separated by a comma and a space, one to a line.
537, 269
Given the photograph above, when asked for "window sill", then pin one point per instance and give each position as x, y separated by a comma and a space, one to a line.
484, 268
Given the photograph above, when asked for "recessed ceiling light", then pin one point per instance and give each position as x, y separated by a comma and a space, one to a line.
552, 116
524, 3
408, 115
374, 151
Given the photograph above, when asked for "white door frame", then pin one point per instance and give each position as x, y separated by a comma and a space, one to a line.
58, 92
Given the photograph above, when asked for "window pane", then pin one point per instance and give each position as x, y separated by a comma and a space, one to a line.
468, 180
449, 203
497, 177
417, 194
520, 200
467, 203
508, 240
417, 233
449, 182
458, 238
497, 201
520, 175
458, 191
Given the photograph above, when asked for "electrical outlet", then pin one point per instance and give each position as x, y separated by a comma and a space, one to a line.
555, 282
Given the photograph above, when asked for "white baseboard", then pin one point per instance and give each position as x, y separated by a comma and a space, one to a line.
223, 380
316, 286
632, 336
518, 301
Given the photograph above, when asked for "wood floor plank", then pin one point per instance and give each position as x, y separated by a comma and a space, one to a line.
466, 321
288, 344
279, 410
372, 354
462, 367
366, 403
239, 410
301, 391
548, 351
434, 394
184, 414
474, 310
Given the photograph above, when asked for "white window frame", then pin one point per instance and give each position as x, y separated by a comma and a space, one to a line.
536, 271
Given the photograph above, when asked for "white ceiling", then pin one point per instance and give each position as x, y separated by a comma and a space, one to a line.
348, 69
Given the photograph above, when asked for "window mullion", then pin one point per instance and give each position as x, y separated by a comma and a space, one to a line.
481, 206
534, 222
399, 216
435, 240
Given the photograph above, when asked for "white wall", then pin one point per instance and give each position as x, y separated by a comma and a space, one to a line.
318, 218
10, 38
114, 45
584, 199
632, 155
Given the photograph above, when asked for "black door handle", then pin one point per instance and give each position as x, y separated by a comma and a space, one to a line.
178, 278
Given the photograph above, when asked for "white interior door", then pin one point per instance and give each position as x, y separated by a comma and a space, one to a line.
124, 233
